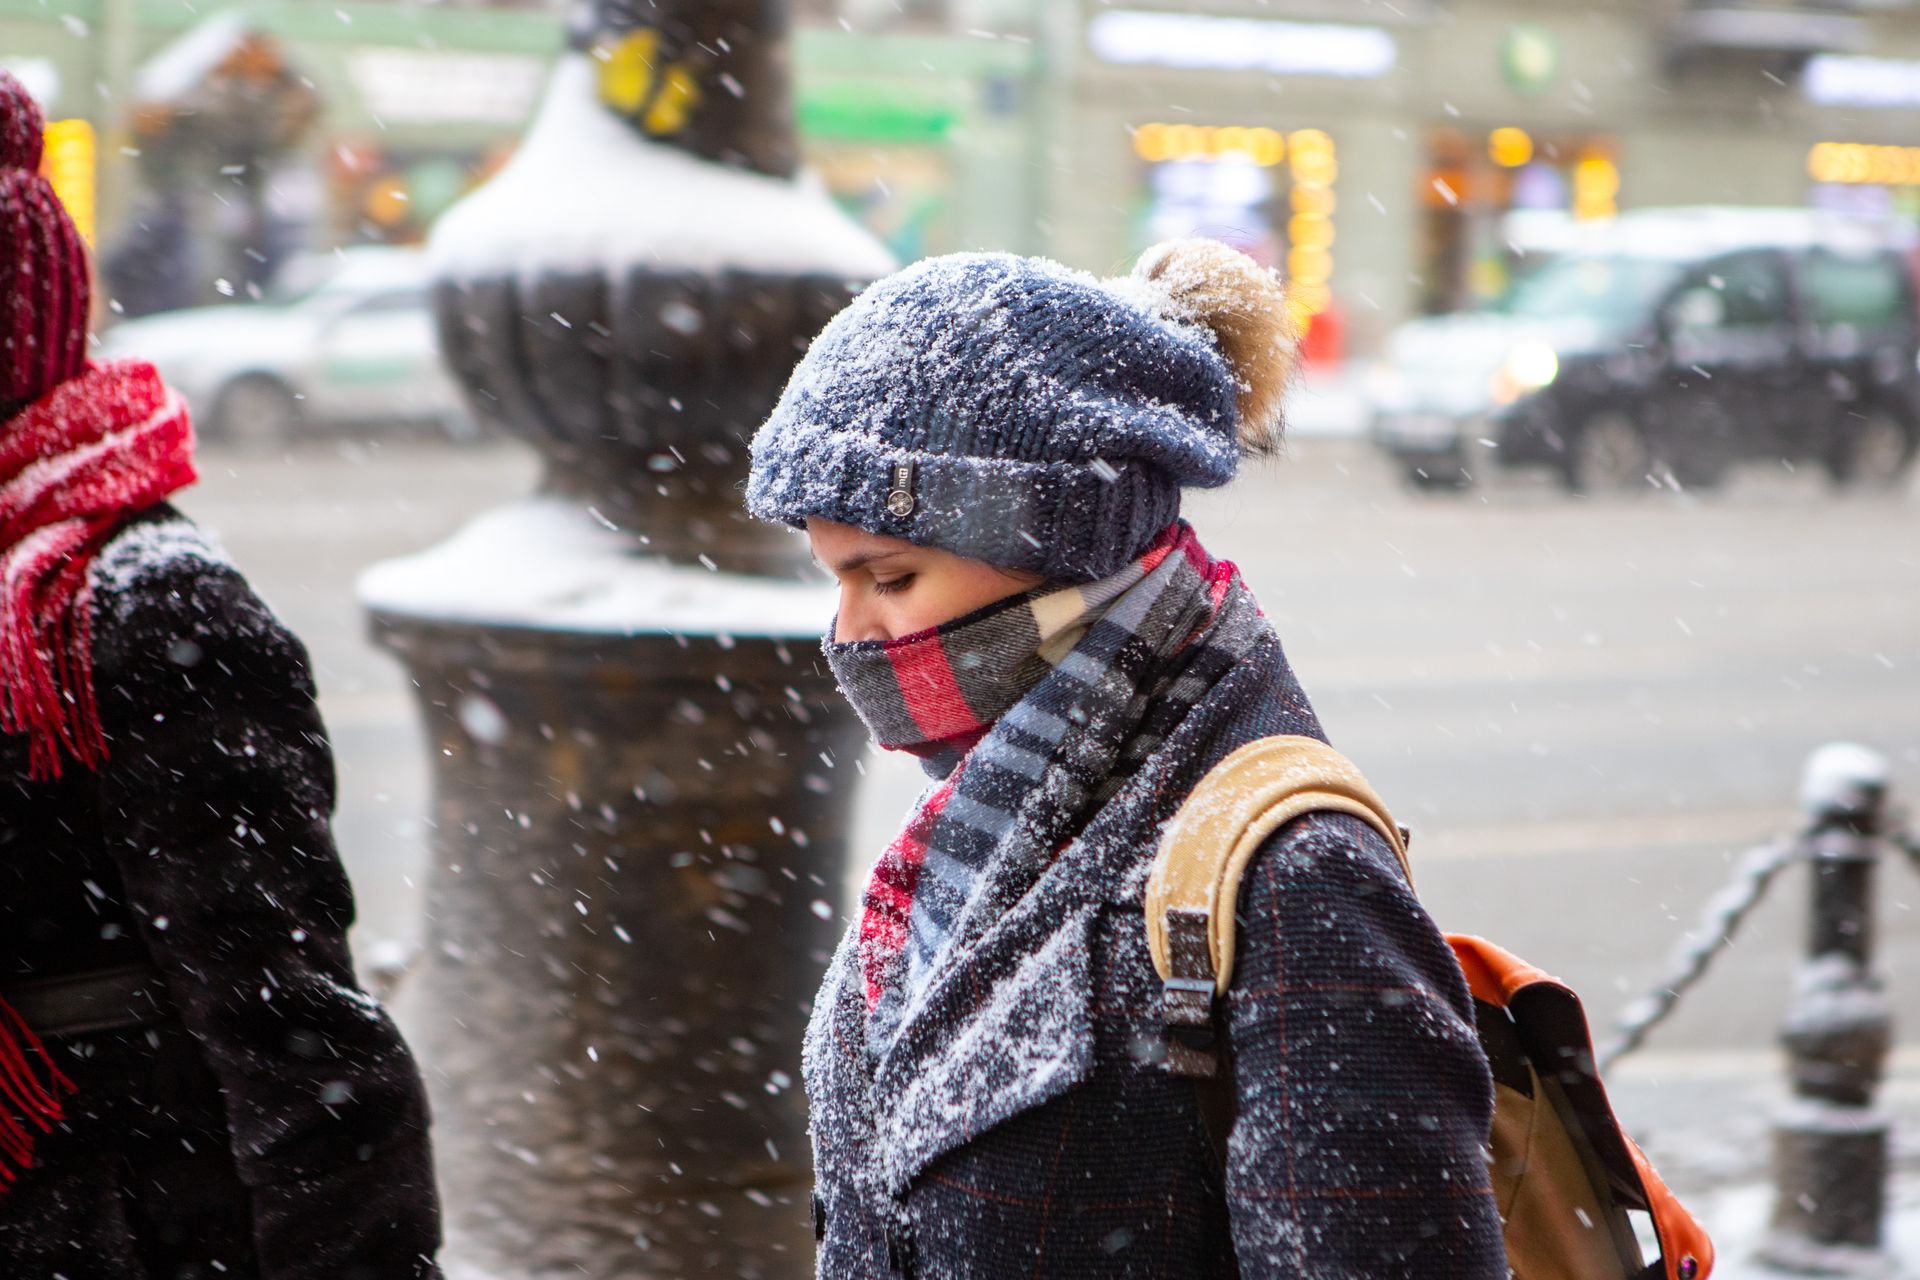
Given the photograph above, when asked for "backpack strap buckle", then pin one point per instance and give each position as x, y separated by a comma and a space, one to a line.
1187, 995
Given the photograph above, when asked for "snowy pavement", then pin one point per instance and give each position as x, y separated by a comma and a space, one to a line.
1736, 1218
1703, 1119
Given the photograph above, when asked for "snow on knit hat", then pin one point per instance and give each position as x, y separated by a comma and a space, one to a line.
45, 294
1017, 412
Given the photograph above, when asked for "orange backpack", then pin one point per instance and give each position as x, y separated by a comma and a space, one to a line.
1565, 1176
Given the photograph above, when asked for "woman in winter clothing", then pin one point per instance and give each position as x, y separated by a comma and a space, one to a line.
988, 453
191, 1083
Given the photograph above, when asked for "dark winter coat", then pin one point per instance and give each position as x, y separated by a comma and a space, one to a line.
1023, 1124
270, 1123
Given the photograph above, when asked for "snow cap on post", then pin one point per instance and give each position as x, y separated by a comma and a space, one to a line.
44, 289
1015, 411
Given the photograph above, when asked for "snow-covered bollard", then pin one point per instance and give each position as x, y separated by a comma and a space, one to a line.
642, 772
1830, 1140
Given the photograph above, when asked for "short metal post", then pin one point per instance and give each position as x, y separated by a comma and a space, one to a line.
1830, 1140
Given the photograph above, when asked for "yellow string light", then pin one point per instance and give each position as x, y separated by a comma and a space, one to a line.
1313, 165
1859, 163
1160, 143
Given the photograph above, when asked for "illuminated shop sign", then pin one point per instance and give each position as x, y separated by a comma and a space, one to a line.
68, 162
1855, 163
1839, 80
419, 86
1197, 42
863, 113
1596, 188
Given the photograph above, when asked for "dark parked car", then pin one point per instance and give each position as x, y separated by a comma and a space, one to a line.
1673, 344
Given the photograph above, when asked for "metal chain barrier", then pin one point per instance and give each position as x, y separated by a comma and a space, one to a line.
1908, 842
1719, 920
1830, 1141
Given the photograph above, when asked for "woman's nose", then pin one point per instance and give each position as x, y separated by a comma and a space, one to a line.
855, 620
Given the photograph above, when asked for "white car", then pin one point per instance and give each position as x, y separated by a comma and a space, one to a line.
341, 339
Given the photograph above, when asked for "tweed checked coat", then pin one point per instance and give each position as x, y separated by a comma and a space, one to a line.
1022, 1122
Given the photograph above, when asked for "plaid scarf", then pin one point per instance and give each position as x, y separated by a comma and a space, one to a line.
1031, 713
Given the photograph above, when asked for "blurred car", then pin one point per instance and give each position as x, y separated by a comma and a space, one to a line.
1672, 342
341, 339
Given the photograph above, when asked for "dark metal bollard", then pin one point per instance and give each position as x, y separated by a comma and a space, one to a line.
1830, 1140
641, 782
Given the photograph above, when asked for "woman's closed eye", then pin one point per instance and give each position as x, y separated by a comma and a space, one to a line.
888, 586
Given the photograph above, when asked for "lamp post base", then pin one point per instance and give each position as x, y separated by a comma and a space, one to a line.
638, 842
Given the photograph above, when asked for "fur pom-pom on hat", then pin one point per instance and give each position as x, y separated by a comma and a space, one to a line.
1244, 305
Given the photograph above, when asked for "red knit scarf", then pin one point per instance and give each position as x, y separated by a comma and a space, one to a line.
73, 464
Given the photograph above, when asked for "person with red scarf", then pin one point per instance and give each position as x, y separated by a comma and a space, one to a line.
192, 1084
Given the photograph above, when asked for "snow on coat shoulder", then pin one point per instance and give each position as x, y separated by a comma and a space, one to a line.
146, 549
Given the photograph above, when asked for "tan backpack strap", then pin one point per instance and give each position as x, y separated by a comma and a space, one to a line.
1195, 882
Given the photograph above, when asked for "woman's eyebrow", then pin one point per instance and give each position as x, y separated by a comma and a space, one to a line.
861, 559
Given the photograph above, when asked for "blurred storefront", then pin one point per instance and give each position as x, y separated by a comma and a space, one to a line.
1492, 201
1468, 141
1270, 133
1394, 158
888, 159
917, 128
922, 134
247, 134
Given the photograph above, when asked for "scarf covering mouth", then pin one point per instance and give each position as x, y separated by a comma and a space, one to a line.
1030, 714
935, 693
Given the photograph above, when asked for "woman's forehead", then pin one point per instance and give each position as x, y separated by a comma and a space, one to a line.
838, 543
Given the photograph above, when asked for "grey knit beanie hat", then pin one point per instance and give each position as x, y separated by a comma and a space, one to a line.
1017, 412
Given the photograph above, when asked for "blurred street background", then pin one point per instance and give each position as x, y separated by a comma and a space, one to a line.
1597, 521
1585, 708
1399, 159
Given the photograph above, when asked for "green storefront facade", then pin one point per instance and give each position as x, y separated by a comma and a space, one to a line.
924, 136
1404, 154
1613, 107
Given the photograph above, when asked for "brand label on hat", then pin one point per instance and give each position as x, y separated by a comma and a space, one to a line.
900, 500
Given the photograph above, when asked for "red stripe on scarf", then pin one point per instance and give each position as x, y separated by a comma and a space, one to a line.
886, 908
73, 465
1219, 575
931, 691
